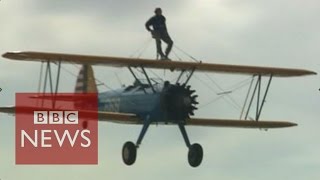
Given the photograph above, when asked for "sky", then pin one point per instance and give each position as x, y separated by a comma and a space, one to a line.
280, 33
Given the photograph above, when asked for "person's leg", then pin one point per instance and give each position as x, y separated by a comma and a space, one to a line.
159, 49
169, 42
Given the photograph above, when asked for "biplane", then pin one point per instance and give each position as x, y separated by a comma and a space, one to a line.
148, 102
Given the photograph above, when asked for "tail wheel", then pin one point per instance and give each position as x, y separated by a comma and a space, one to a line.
195, 155
129, 153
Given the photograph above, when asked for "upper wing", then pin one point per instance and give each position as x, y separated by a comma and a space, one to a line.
149, 63
125, 118
238, 123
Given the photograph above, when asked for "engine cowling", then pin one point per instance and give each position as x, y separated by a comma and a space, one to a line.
180, 101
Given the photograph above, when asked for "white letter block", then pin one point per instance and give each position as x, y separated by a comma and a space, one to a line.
55, 117
40, 117
71, 117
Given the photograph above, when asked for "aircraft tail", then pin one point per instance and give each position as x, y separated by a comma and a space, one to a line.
86, 81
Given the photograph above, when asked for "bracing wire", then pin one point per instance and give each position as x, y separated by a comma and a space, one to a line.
215, 99
239, 85
221, 89
141, 49
243, 84
97, 80
187, 54
176, 55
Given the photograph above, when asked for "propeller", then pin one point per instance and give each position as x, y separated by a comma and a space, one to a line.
181, 101
189, 100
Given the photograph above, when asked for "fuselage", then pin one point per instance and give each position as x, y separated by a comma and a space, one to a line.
165, 103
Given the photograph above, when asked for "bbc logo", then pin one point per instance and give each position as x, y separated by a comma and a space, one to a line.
55, 117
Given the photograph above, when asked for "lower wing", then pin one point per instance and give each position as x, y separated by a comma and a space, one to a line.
124, 118
127, 118
238, 123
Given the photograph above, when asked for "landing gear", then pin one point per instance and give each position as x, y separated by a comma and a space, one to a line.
129, 149
129, 153
195, 155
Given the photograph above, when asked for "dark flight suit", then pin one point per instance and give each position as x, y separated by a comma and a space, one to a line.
159, 32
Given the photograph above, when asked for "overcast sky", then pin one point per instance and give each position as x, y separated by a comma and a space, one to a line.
281, 33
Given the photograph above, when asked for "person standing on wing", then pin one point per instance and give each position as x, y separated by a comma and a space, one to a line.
159, 32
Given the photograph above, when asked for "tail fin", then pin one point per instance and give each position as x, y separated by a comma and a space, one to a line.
86, 81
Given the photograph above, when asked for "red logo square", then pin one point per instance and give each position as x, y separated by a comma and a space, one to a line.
56, 128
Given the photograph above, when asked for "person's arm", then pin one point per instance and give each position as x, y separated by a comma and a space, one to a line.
164, 22
148, 24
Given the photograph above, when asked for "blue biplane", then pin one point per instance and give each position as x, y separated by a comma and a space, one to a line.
148, 102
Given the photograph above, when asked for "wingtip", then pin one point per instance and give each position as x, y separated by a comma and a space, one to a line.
13, 55
290, 124
305, 72
6, 55
311, 73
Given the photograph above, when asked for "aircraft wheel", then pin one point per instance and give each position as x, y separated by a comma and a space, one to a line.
195, 155
129, 153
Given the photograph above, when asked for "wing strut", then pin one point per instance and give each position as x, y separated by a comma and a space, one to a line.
188, 72
48, 77
136, 78
148, 79
256, 94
